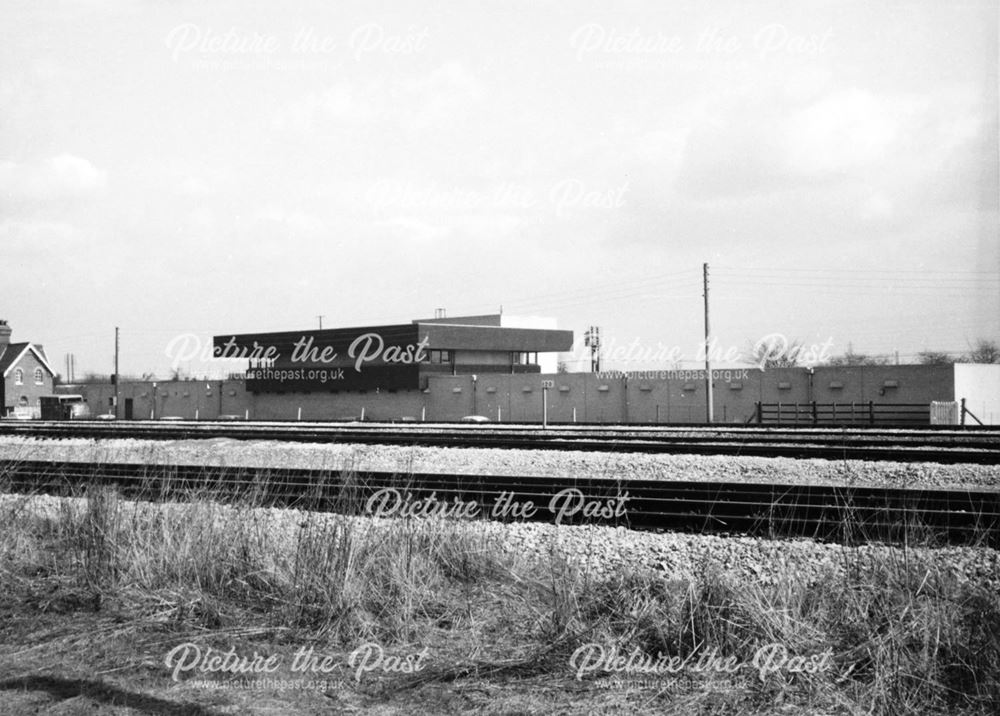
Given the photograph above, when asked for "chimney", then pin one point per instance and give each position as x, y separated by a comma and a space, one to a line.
4, 333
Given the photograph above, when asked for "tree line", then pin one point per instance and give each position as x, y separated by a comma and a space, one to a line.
775, 354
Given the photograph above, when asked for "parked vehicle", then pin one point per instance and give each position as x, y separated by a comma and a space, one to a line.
64, 407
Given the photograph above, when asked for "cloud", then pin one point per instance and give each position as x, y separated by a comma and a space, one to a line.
733, 152
772, 143
294, 222
442, 96
61, 177
188, 177
439, 98
194, 186
340, 104
289, 231
38, 236
412, 229
841, 131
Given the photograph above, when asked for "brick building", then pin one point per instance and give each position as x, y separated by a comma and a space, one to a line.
25, 376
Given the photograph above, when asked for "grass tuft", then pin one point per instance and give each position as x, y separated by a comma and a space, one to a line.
907, 633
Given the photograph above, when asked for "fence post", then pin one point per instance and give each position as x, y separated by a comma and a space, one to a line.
779, 412
871, 412
962, 421
760, 415
815, 416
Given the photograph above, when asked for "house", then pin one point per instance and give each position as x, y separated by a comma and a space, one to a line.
25, 376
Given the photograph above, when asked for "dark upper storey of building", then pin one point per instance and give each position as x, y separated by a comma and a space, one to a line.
398, 356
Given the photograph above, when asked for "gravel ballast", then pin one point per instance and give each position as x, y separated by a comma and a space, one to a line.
597, 550
568, 464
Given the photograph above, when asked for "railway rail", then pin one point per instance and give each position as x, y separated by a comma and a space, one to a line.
851, 515
976, 446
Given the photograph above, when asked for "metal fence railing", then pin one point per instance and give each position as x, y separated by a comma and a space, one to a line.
854, 413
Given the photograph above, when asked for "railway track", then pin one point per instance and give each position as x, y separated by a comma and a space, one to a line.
850, 515
979, 446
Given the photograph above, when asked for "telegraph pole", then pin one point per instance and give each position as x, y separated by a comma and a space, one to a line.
708, 360
320, 322
116, 373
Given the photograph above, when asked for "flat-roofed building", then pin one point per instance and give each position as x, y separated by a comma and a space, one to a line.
394, 357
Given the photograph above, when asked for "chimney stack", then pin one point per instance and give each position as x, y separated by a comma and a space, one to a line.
4, 333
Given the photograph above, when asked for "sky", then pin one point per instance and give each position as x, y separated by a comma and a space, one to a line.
186, 169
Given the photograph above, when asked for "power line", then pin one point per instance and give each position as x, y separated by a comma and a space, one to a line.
850, 271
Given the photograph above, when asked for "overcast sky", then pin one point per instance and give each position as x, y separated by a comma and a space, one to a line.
229, 167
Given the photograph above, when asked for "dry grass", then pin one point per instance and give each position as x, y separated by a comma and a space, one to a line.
905, 637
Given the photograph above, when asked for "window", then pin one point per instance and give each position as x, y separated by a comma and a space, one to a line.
18, 377
438, 356
38, 376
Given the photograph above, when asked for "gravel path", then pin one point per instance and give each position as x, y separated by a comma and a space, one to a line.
338, 456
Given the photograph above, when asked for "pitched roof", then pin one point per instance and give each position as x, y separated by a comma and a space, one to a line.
11, 354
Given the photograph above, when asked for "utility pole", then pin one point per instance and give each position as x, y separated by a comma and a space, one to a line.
116, 373
320, 317
708, 360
